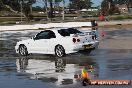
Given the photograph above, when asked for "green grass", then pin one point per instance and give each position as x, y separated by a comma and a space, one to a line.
68, 17
122, 17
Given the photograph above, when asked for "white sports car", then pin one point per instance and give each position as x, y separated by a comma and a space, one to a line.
58, 41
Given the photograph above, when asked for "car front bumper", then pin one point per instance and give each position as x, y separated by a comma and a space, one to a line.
17, 48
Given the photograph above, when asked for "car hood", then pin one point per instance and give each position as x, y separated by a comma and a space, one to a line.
25, 41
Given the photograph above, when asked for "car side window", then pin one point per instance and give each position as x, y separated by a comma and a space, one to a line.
52, 34
73, 31
64, 32
67, 32
45, 35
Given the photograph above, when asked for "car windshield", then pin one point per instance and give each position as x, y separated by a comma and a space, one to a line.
67, 32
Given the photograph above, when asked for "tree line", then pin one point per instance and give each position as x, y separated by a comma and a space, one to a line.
25, 6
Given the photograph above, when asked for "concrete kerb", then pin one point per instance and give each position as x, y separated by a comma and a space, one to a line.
38, 26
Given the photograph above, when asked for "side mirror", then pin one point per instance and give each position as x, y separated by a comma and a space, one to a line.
33, 38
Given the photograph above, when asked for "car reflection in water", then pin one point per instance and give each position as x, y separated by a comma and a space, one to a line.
60, 71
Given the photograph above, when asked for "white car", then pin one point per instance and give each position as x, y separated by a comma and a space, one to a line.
58, 41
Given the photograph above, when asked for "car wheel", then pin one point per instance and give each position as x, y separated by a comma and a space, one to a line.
23, 50
59, 51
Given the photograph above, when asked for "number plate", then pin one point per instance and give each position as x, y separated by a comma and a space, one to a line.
88, 46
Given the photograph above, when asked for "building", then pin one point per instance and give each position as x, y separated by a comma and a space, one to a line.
130, 8
90, 9
123, 8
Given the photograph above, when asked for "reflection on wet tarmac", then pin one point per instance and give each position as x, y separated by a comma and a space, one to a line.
119, 33
108, 63
60, 71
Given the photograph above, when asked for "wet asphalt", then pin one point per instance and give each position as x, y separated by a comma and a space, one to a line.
48, 71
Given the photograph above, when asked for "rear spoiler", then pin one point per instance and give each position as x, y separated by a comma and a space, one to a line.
94, 25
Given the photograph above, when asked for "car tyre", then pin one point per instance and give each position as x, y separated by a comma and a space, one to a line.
23, 50
59, 51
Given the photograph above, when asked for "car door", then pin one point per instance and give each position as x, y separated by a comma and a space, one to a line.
51, 42
40, 42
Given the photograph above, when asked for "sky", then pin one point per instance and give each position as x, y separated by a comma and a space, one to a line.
96, 3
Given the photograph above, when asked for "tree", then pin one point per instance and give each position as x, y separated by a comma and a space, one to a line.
0, 6
80, 4
105, 7
46, 8
19, 6
57, 6
128, 2
50, 11
37, 9
63, 15
108, 7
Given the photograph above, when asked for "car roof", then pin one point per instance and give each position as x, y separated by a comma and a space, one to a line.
56, 28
